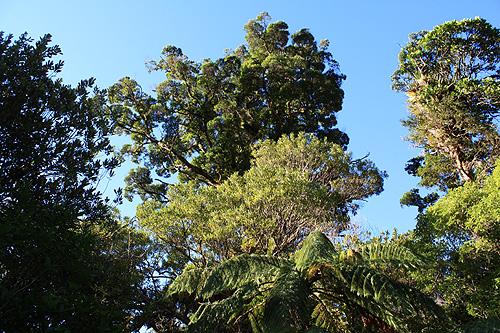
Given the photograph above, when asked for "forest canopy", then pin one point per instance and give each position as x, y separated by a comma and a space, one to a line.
248, 192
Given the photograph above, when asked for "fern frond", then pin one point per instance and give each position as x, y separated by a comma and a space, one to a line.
286, 309
390, 254
391, 301
367, 282
380, 316
216, 315
256, 315
188, 282
328, 317
316, 249
241, 270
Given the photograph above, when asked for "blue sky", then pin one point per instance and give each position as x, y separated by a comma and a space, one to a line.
112, 39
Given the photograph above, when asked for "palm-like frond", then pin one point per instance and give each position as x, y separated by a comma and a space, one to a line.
286, 308
328, 316
367, 282
241, 270
374, 294
390, 254
216, 315
188, 283
316, 249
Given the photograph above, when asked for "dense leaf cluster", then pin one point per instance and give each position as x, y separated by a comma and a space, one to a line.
295, 185
242, 241
65, 264
206, 116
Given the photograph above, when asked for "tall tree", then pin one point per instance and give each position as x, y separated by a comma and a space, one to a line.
206, 116
296, 185
452, 78
50, 135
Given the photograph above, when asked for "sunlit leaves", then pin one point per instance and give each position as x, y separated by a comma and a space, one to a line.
451, 76
296, 185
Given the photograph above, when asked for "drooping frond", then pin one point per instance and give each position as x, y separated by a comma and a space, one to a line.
367, 282
188, 282
241, 270
328, 315
257, 313
376, 315
390, 254
379, 297
214, 316
286, 309
316, 249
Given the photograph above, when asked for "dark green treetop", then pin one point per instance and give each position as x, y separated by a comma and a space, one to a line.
206, 116
50, 135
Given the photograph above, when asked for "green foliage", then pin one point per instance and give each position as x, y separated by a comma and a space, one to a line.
342, 291
242, 270
461, 232
206, 116
65, 263
296, 185
315, 248
482, 326
451, 76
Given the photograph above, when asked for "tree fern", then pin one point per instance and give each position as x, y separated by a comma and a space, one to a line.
317, 290
372, 293
216, 315
188, 282
316, 249
390, 254
330, 318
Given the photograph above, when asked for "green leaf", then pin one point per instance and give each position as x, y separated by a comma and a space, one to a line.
216, 315
391, 254
242, 270
188, 282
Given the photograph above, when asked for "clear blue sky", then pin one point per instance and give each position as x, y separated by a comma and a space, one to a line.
111, 39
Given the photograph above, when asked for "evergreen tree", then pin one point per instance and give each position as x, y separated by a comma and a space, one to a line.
206, 116
54, 264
